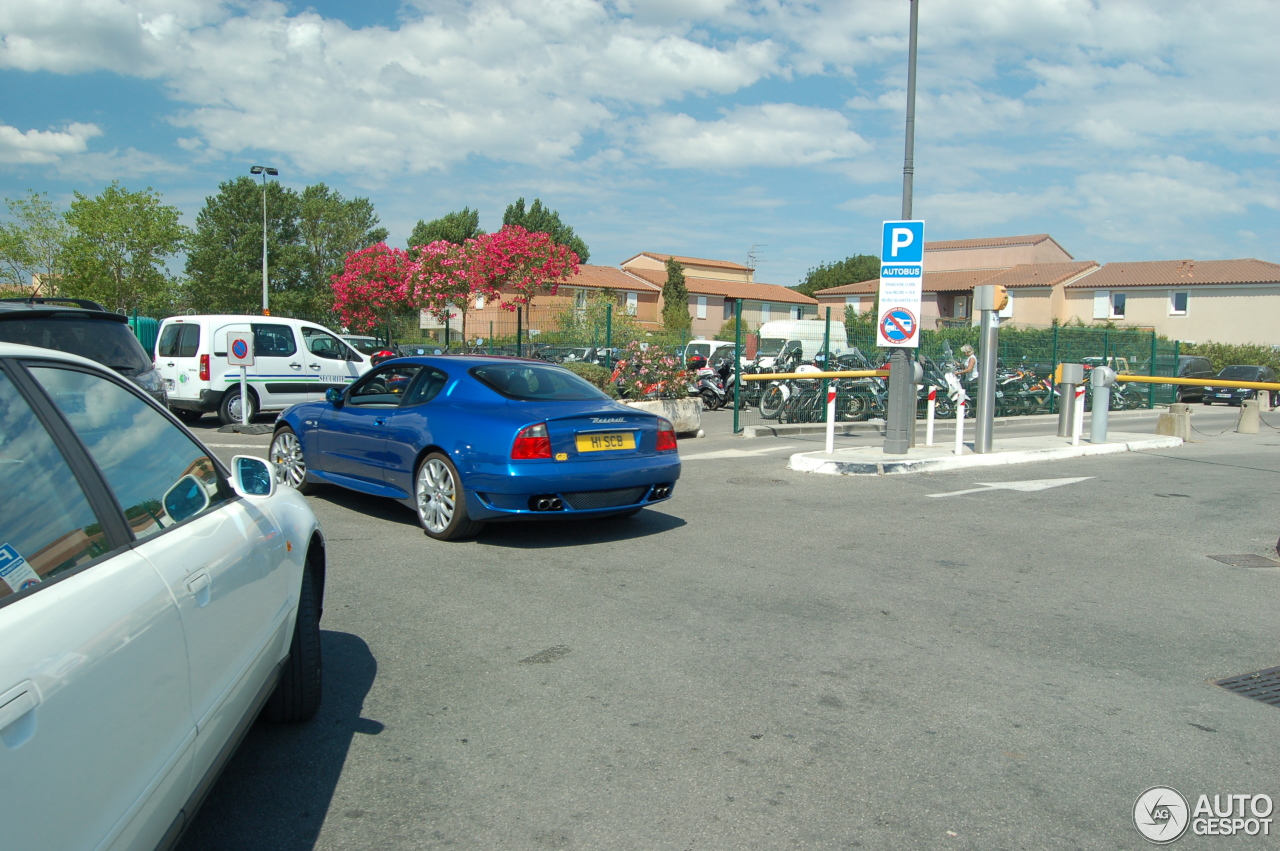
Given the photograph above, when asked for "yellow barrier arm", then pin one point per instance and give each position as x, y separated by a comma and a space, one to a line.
1196, 382
818, 376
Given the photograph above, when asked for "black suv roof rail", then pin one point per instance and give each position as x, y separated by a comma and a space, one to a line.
78, 302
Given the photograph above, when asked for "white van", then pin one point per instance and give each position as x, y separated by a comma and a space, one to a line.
294, 361
784, 334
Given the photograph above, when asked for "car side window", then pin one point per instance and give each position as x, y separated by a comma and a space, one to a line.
429, 384
159, 475
385, 386
324, 345
273, 341
46, 524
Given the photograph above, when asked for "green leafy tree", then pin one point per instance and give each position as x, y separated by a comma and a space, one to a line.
543, 220
850, 270
119, 244
675, 299
588, 325
224, 263
456, 227
329, 227
32, 244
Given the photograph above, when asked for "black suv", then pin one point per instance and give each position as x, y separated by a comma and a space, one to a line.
1193, 366
84, 328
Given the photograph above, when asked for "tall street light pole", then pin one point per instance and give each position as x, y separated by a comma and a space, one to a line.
900, 413
264, 171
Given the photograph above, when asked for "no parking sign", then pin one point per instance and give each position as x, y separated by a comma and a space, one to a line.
240, 348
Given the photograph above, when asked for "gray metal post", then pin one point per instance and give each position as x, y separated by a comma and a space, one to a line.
1067, 413
1101, 407
988, 342
901, 414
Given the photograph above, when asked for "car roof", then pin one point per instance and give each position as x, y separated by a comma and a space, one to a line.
17, 350
82, 308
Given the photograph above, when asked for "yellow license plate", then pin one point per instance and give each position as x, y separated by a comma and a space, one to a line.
604, 441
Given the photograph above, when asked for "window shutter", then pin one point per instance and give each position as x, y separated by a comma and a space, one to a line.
1102, 304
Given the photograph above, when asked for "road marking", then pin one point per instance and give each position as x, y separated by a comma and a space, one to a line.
1028, 486
734, 453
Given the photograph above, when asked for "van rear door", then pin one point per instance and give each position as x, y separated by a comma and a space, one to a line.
178, 359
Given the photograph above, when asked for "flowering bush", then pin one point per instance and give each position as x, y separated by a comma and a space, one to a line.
443, 276
651, 373
518, 264
373, 285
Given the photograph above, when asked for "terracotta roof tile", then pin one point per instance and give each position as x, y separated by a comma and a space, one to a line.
1181, 273
1025, 275
730, 289
1041, 274
988, 242
607, 277
696, 261
934, 282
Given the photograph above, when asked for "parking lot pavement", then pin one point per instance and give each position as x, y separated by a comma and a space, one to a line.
778, 659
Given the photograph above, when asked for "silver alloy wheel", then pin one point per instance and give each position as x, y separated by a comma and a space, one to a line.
437, 495
286, 454
234, 409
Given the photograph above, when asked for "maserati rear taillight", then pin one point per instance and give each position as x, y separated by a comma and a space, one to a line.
531, 444
666, 436
204, 367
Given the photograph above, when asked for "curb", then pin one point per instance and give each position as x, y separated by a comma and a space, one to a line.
820, 462
877, 426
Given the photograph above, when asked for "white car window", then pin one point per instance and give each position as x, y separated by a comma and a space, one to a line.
159, 475
46, 524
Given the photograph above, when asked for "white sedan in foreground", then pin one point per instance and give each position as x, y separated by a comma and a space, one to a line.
152, 604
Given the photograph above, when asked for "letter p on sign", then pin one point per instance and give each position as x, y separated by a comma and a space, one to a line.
902, 242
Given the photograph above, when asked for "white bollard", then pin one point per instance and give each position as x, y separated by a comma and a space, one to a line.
1078, 425
960, 428
928, 421
831, 419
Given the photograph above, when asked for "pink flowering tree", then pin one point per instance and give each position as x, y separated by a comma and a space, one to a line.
374, 285
444, 278
517, 264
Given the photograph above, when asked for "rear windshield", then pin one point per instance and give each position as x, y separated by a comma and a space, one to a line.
531, 382
105, 341
1240, 373
179, 340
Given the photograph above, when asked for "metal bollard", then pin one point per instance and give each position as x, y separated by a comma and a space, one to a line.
1069, 375
1100, 380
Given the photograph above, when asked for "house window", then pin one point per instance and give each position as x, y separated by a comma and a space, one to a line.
1117, 305
1178, 304
580, 299
795, 312
633, 301
702, 307
764, 312
479, 302
728, 308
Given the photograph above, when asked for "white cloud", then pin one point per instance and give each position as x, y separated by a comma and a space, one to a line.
775, 134
39, 147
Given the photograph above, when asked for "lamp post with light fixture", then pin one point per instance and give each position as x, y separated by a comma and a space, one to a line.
264, 171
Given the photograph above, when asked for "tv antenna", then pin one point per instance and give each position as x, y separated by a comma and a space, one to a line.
752, 255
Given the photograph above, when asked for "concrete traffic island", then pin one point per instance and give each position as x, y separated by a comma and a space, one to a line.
873, 461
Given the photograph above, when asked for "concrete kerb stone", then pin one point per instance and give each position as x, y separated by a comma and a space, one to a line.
871, 461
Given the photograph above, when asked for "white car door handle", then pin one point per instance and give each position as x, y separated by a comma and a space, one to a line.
15, 703
295, 366
315, 366
198, 585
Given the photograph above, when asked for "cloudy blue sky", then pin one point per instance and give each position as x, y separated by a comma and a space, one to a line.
1127, 129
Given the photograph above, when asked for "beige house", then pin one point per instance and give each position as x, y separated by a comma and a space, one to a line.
1195, 301
715, 288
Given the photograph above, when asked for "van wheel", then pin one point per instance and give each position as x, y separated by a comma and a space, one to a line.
229, 410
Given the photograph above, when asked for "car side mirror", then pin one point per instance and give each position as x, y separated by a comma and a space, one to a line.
186, 498
333, 396
253, 477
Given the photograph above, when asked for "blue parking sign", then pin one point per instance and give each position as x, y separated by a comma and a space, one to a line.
902, 242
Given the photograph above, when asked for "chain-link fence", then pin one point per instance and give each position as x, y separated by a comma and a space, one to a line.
1026, 361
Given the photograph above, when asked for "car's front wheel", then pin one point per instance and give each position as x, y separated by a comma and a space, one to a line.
297, 694
291, 466
441, 503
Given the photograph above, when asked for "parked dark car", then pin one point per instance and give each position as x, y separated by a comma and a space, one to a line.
84, 328
1192, 366
1236, 395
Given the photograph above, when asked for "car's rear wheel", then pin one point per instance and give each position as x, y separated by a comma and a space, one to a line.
229, 411
442, 505
291, 466
297, 694
189, 417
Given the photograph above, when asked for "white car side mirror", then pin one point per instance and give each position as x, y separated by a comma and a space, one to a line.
253, 478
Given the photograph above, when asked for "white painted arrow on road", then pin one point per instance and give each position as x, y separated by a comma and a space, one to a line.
1028, 486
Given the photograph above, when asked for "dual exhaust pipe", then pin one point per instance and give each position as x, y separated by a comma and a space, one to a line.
660, 492
546, 503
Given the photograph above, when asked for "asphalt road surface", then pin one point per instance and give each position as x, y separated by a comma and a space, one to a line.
785, 660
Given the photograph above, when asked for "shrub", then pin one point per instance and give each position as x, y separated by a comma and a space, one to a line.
598, 375
654, 370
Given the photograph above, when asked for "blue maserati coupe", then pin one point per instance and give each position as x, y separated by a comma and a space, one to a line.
465, 440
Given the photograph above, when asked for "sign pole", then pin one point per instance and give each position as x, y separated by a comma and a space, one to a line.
244, 398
